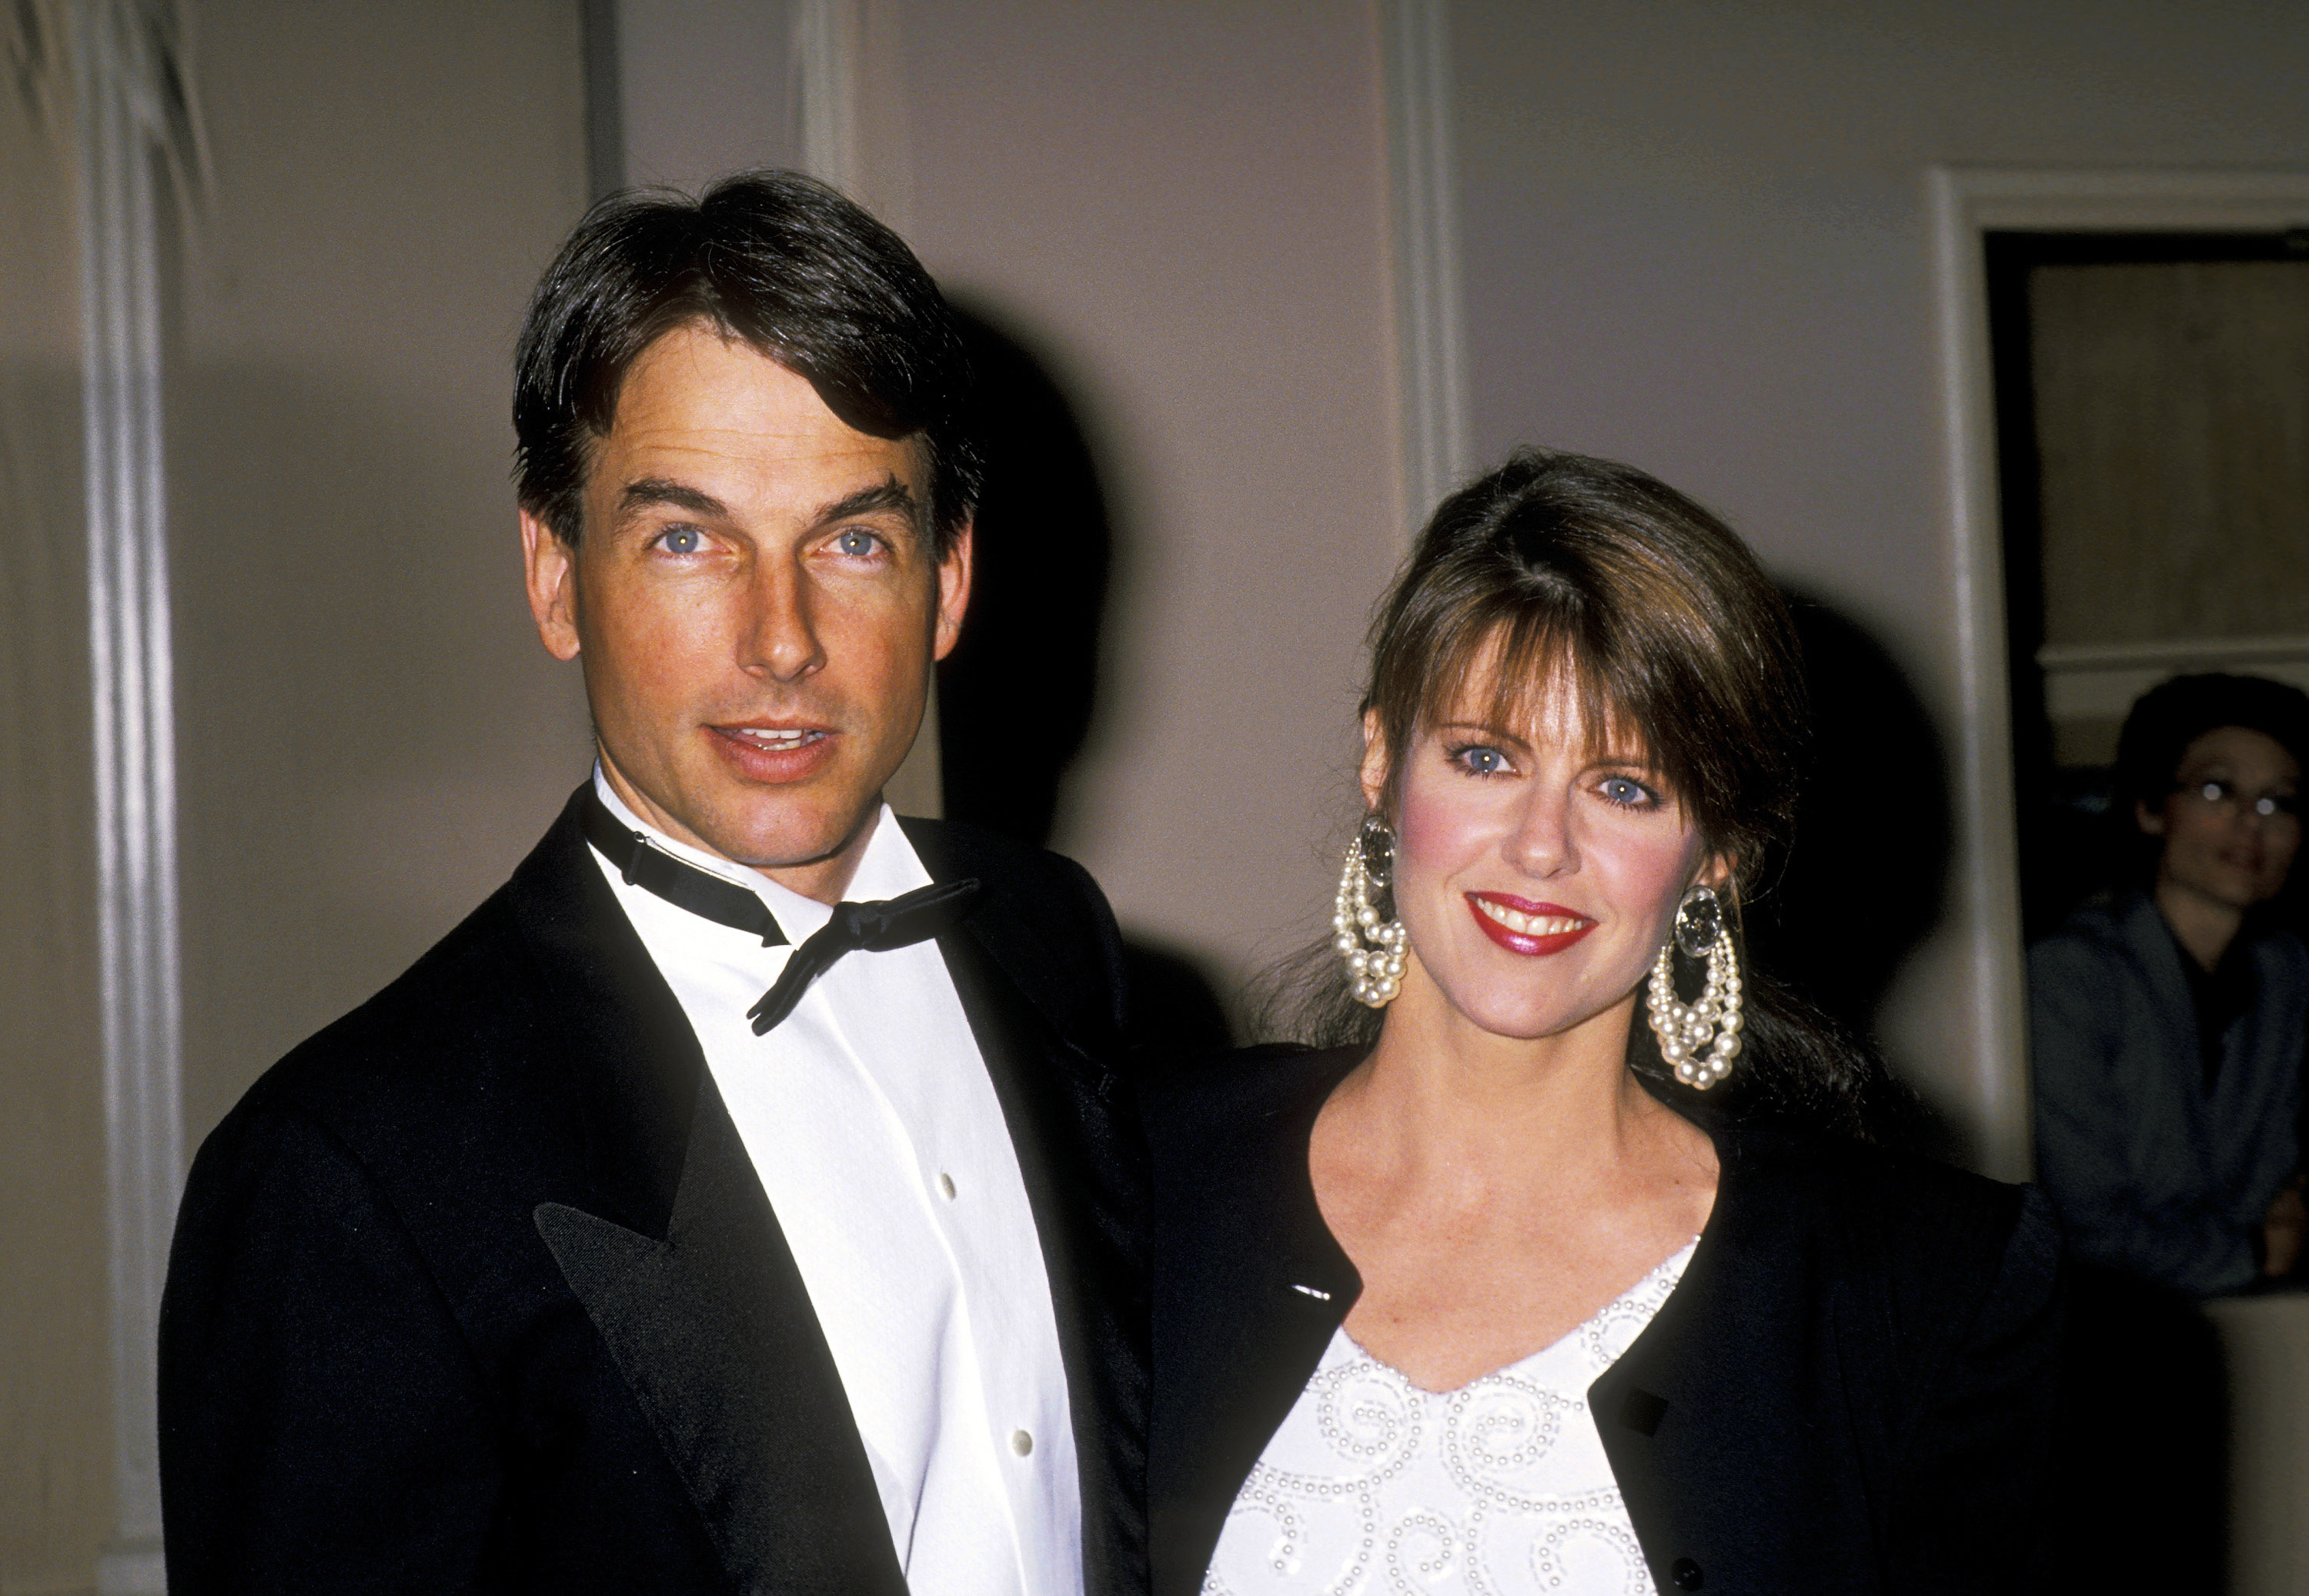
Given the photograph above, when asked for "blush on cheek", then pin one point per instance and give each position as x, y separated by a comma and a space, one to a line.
1429, 829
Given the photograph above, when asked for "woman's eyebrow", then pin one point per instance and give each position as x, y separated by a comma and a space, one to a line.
1484, 729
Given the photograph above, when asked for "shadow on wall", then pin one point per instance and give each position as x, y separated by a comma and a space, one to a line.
1862, 885
1019, 695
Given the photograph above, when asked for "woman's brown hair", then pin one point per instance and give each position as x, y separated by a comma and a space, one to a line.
1562, 572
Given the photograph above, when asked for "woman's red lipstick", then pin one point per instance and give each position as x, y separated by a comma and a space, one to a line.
1535, 945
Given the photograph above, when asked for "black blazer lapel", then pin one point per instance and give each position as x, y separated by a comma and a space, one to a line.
679, 1262
713, 1329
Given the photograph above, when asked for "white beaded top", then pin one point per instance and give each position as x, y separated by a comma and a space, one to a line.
1374, 1485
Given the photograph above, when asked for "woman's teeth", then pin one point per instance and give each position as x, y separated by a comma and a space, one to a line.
1531, 925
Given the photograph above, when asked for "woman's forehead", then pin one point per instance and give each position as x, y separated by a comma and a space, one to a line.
1557, 705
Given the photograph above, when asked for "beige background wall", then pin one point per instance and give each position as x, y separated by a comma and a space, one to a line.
55, 1452
1695, 238
1180, 210
370, 735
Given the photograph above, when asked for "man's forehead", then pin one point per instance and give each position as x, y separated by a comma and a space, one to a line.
718, 416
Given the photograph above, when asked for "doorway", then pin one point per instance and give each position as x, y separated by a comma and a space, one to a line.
2152, 425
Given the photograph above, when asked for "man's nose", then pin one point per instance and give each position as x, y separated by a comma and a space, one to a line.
778, 634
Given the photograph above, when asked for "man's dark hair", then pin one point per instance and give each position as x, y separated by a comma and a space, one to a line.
2170, 716
779, 259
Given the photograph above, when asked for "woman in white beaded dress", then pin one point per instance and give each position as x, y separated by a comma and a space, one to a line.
1565, 1266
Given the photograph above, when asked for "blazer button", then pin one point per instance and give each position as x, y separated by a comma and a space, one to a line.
1686, 1574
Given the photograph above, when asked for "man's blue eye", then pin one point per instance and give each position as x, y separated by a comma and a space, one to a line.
682, 539
856, 544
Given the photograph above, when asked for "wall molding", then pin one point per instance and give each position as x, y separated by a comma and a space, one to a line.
1964, 203
1423, 250
136, 131
2100, 680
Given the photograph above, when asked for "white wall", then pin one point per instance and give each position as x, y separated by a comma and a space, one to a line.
1695, 239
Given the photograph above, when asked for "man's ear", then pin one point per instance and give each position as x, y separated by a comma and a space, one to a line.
550, 570
1374, 773
952, 592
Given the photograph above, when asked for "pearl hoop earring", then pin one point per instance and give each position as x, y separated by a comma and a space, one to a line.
1684, 1029
1374, 972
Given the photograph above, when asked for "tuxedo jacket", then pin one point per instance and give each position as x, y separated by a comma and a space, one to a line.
476, 1291
1849, 1390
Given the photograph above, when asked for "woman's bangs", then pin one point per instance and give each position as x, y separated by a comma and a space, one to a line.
1514, 670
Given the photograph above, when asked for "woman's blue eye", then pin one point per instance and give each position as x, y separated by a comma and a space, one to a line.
1483, 761
1619, 789
856, 544
682, 539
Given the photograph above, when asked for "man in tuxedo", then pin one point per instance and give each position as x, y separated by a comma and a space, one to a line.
740, 1200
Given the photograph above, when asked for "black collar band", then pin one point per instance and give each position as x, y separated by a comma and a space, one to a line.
644, 865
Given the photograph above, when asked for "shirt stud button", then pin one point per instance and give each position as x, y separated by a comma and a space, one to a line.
1021, 1441
946, 1185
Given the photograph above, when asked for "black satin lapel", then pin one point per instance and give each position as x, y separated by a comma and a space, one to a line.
633, 1060
713, 1332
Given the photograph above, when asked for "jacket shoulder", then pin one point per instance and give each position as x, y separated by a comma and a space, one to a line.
1042, 917
1209, 1105
955, 848
1930, 1253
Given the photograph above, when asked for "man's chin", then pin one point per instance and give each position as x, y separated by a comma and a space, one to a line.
788, 840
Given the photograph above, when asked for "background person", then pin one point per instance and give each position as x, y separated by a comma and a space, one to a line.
2167, 1025
1511, 1290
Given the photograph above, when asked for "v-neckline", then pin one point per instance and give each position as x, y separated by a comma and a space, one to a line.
1679, 1260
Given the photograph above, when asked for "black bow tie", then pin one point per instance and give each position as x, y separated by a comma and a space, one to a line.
877, 926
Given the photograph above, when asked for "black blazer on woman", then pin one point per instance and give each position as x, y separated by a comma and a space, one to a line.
477, 1291
1849, 1390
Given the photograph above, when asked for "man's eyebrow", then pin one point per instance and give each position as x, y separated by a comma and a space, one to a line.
888, 494
664, 490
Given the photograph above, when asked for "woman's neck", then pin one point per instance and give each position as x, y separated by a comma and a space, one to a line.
1439, 1094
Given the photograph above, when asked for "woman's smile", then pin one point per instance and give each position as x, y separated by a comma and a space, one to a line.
1522, 927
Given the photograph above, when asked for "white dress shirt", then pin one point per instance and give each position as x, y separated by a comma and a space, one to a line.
874, 1128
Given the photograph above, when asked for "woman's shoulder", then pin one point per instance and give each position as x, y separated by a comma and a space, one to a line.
2105, 926
1925, 1232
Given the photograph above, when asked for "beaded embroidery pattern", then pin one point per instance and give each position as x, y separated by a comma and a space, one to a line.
1373, 1485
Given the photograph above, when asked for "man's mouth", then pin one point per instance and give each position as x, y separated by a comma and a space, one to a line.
772, 739
776, 756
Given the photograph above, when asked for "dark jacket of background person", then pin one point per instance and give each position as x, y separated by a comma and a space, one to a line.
477, 1289
1851, 1389
2154, 1176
